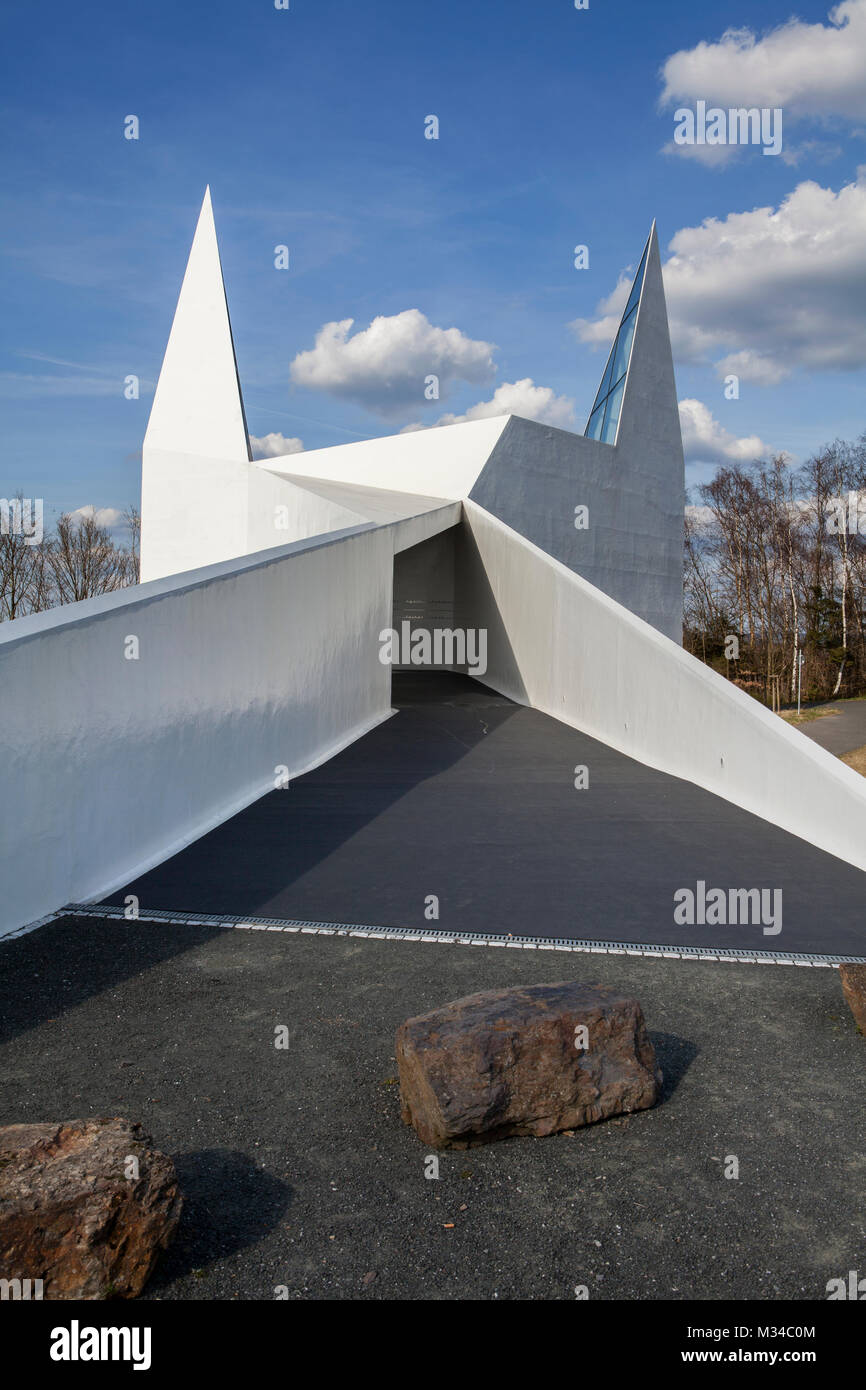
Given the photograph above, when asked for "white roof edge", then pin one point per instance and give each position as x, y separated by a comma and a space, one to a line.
420, 461
479, 427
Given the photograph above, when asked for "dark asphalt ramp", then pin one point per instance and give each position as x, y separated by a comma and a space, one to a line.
468, 797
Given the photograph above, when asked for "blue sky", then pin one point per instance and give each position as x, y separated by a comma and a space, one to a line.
308, 124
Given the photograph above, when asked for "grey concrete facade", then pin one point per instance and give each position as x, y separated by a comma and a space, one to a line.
632, 547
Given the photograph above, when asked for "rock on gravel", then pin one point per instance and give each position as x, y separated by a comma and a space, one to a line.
86, 1206
529, 1060
853, 979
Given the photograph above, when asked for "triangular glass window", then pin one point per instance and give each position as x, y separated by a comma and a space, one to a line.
603, 422
611, 413
636, 287
606, 379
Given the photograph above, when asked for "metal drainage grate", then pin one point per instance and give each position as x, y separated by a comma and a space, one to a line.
451, 938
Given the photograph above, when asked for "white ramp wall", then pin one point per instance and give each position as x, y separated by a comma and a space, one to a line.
563, 647
108, 765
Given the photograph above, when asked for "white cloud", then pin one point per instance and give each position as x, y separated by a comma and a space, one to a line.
702, 516
752, 366
706, 441
109, 517
384, 367
273, 446
765, 291
516, 398
807, 69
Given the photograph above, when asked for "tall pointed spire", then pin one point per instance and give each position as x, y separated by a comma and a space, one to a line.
197, 407
649, 409
604, 416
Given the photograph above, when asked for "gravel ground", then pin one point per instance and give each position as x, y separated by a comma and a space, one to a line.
298, 1172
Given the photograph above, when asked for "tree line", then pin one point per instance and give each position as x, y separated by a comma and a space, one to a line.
78, 559
775, 575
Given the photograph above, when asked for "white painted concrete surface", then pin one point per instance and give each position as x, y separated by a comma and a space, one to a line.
197, 407
203, 501
442, 462
564, 647
110, 765
199, 509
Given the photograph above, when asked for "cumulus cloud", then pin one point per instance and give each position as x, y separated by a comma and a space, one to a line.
761, 293
273, 446
524, 398
807, 69
752, 366
108, 517
706, 441
702, 516
384, 367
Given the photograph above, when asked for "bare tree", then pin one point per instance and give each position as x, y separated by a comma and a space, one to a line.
79, 560
84, 559
132, 521
25, 577
782, 551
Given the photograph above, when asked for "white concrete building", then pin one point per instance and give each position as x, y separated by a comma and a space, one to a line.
133, 723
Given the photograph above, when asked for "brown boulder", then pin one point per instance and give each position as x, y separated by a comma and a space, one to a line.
70, 1215
853, 979
504, 1062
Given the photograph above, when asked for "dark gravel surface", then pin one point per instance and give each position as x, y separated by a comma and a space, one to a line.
298, 1172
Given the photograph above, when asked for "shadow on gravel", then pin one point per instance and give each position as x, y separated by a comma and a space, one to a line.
228, 1205
63, 964
674, 1055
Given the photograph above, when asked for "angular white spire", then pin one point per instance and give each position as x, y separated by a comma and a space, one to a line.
649, 404
198, 408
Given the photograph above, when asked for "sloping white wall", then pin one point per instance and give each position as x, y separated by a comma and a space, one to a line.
564, 647
109, 765
200, 510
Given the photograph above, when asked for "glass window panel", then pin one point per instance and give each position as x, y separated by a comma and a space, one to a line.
596, 420
606, 379
617, 365
611, 414
635, 289
623, 348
